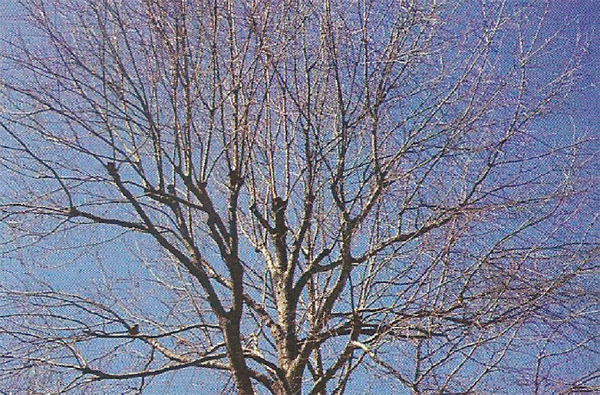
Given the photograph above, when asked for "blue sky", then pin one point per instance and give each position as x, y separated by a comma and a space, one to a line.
582, 17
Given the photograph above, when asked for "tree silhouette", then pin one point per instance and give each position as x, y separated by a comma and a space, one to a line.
301, 197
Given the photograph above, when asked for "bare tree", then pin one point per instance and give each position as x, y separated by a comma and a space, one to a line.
301, 197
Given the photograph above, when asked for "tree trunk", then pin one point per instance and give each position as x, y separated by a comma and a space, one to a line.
236, 357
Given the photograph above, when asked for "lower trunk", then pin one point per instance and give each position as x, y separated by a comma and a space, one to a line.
292, 387
296, 386
293, 380
236, 358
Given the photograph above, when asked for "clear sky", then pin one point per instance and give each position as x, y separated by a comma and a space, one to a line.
582, 17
